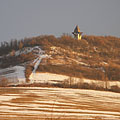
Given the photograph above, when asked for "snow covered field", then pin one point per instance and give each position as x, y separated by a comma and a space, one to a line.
63, 104
56, 78
47, 78
15, 75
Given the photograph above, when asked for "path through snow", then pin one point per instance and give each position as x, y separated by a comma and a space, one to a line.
36, 62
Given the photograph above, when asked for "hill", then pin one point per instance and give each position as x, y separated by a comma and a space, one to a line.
93, 57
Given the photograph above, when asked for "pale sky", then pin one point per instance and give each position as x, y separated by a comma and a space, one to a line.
27, 18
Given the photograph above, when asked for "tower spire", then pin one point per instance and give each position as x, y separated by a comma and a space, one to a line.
77, 34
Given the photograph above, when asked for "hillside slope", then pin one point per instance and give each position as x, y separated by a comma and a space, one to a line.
93, 57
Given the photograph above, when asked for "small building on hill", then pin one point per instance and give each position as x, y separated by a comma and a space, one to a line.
77, 34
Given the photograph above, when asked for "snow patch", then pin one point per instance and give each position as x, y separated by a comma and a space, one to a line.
47, 78
56, 78
61, 102
17, 76
36, 63
20, 72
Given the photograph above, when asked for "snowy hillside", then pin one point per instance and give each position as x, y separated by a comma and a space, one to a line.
16, 75
64, 60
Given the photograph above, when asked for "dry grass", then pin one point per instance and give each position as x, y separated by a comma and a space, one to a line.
37, 103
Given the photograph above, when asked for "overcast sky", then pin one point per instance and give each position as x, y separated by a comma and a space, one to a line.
27, 18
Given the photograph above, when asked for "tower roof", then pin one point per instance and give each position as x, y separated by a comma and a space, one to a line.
77, 29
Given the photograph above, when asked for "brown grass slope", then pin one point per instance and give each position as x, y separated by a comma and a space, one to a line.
93, 57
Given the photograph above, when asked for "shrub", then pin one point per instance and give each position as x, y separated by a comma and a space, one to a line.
115, 88
28, 72
3, 82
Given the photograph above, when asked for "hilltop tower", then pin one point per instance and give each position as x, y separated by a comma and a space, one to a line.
77, 34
